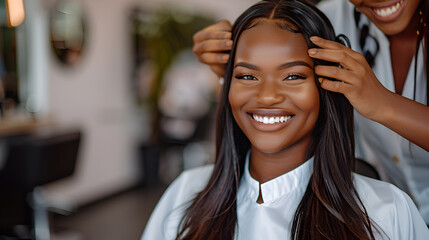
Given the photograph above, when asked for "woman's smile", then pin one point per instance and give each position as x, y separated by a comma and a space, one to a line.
269, 119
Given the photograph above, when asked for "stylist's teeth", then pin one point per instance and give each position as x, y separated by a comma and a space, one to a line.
384, 12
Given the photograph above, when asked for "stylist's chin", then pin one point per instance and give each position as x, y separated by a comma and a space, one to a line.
391, 17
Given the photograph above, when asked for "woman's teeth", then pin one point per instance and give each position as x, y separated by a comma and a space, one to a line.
384, 12
270, 120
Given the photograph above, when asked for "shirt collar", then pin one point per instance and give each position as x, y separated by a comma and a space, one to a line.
292, 182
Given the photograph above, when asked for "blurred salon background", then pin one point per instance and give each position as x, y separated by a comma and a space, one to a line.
102, 105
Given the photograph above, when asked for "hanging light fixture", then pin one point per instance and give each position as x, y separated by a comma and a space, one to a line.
15, 12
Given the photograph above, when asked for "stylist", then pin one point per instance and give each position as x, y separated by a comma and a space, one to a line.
385, 78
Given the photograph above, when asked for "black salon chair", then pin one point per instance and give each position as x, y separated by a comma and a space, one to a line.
31, 161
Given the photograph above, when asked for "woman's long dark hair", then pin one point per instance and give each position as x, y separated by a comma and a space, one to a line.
330, 208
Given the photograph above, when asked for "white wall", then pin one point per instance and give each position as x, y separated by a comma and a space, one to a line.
95, 94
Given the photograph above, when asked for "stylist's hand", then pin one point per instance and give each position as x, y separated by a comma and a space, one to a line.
359, 84
211, 43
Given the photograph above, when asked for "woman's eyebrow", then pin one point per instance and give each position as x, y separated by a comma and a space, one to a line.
283, 66
246, 65
294, 63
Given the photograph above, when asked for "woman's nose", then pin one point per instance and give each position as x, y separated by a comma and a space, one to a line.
269, 94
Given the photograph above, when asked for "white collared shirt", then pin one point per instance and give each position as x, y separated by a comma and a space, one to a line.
389, 207
397, 160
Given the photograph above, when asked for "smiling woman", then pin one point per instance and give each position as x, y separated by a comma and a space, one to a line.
285, 149
385, 78
273, 80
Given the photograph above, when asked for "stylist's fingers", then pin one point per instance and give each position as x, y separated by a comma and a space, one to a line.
331, 45
328, 44
218, 69
219, 30
222, 25
205, 35
213, 58
335, 73
338, 56
212, 45
354, 77
335, 86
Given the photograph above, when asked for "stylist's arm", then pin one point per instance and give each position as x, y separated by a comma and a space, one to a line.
368, 96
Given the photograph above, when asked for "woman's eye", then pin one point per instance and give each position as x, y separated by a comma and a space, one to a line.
294, 77
246, 77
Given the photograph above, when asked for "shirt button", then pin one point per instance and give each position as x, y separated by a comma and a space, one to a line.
395, 159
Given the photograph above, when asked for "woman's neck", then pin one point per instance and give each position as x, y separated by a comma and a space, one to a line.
266, 166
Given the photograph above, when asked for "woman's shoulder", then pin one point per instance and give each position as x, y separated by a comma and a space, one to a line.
192, 181
379, 196
363, 183
391, 209
166, 216
189, 183
202, 173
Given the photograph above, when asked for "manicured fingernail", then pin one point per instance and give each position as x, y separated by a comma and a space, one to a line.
312, 51
314, 39
225, 58
228, 43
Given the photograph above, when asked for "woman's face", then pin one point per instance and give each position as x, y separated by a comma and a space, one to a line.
273, 94
390, 16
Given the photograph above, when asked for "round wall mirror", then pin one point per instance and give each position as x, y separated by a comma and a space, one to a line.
67, 31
